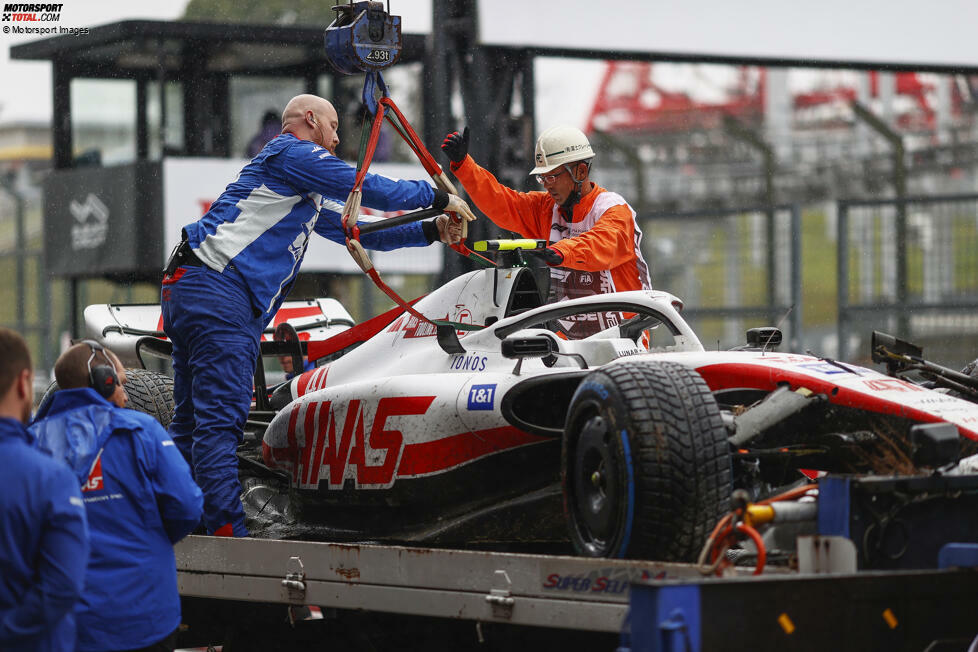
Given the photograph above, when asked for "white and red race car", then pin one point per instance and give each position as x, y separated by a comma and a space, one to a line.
491, 427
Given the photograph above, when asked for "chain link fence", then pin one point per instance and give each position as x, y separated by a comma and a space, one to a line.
733, 269
908, 266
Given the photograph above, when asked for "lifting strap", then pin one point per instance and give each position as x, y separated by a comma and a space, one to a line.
385, 108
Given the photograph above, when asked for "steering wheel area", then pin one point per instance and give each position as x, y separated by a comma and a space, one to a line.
511, 252
514, 252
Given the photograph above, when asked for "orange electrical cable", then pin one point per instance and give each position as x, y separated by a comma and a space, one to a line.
723, 535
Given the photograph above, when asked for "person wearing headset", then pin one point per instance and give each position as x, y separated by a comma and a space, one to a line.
139, 496
236, 265
594, 239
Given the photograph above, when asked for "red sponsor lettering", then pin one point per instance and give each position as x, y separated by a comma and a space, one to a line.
377, 453
414, 327
355, 445
892, 384
310, 381
463, 316
784, 358
338, 452
308, 429
317, 457
397, 324
391, 441
354, 421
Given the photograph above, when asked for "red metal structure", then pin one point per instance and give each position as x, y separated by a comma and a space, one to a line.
630, 100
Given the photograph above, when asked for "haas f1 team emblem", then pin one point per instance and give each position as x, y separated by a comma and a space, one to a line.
351, 447
95, 482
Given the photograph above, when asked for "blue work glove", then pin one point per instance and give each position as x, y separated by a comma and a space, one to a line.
552, 257
456, 146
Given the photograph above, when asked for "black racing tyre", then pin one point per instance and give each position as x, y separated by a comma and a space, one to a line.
47, 396
149, 392
645, 463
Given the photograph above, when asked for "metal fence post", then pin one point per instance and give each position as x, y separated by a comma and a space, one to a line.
754, 139
20, 280
842, 277
903, 318
796, 267
49, 347
895, 140
772, 298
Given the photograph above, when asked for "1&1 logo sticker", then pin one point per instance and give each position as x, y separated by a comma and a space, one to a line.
481, 397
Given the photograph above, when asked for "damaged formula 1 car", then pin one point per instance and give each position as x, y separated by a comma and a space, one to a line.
487, 427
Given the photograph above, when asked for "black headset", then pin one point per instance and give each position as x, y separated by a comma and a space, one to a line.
102, 378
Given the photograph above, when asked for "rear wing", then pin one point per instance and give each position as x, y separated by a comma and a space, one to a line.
133, 331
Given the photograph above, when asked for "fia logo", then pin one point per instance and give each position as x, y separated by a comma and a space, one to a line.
481, 397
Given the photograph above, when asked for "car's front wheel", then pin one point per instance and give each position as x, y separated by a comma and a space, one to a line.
645, 462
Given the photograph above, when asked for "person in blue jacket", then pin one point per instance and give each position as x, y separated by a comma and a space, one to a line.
139, 497
43, 533
235, 266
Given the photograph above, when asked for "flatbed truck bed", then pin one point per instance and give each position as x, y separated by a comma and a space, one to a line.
515, 588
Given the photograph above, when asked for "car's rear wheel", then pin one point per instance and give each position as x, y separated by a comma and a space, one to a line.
152, 393
645, 463
149, 392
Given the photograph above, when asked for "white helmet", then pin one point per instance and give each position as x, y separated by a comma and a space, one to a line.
559, 145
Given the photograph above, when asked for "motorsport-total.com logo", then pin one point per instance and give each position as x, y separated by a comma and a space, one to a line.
31, 13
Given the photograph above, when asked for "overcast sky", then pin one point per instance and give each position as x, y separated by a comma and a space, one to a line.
25, 87
885, 30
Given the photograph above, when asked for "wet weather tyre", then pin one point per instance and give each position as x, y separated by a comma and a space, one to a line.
149, 392
47, 396
645, 463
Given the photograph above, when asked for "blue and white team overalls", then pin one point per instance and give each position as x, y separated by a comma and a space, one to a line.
248, 249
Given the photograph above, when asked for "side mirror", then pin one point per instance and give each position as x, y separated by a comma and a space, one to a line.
764, 337
536, 346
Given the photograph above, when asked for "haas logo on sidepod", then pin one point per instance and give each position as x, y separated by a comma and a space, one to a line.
372, 450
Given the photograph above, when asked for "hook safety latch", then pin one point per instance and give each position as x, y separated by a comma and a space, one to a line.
499, 597
294, 584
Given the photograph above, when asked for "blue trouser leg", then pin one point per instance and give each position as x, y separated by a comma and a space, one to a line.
215, 336
182, 426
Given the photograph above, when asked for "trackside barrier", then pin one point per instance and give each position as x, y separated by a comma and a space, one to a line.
908, 266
